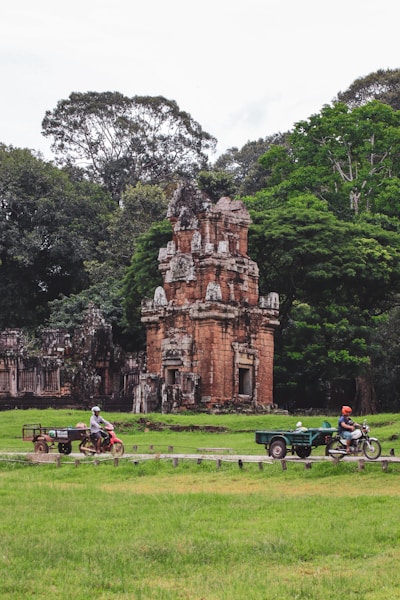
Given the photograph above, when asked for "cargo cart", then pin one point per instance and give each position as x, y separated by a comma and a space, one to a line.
46, 438
278, 442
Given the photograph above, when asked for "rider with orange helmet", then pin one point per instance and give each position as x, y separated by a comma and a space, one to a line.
346, 425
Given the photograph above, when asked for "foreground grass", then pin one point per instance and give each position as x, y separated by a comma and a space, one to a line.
150, 531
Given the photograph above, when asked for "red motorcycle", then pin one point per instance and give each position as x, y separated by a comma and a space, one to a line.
109, 443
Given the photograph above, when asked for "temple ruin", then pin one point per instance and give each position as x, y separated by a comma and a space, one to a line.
210, 336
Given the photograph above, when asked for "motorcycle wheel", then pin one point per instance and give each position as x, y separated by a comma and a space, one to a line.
87, 447
372, 449
335, 445
117, 449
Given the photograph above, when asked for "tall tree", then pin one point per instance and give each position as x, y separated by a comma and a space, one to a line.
119, 140
350, 158
382, 85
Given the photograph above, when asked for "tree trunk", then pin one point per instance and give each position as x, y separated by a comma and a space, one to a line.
365, 397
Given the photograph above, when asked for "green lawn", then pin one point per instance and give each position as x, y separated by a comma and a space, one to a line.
194, 531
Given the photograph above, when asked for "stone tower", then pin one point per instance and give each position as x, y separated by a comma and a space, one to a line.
210, 337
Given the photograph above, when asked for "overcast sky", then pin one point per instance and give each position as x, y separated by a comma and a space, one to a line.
243, 69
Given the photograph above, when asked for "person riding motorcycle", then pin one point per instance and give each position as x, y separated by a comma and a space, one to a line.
96, 432
346, 426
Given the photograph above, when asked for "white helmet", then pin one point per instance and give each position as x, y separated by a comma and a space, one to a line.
95, 409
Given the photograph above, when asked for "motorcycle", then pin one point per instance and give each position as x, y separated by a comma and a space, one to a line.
361, 442
109, 443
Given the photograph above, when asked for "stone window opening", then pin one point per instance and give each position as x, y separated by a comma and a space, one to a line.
245, 382
4, 381
172, 376
26, 380
50, 380
187, 384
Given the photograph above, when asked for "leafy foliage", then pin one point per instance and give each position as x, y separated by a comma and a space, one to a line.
346, 157
119, 140
49, 226
382, 85
216, 184
248, 174
335, 278
142, 278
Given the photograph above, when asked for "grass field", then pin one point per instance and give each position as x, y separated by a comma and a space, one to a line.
154, 531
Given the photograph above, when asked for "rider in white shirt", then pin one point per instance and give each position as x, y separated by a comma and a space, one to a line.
96, 421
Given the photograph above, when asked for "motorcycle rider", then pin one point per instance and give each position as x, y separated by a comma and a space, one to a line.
346, 426
96, 433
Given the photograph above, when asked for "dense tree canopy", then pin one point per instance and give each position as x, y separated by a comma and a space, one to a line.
243, 165
49, 226
382, 85
140, 207
142, 278
335, 277
325, 203
350, 158
119, 140
330, 235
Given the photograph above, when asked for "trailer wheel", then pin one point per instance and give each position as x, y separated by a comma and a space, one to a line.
65, 448
41, 447
303, 451
278, 449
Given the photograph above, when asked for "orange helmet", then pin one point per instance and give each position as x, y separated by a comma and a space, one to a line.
346, 410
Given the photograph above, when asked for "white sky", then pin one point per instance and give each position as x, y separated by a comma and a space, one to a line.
243, 69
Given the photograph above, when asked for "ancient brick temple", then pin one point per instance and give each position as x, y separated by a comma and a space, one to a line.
210, 336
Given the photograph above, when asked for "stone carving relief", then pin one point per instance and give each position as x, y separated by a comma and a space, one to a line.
181, 269
196, 242
213, 292
223, 247
160, 299
271, 301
